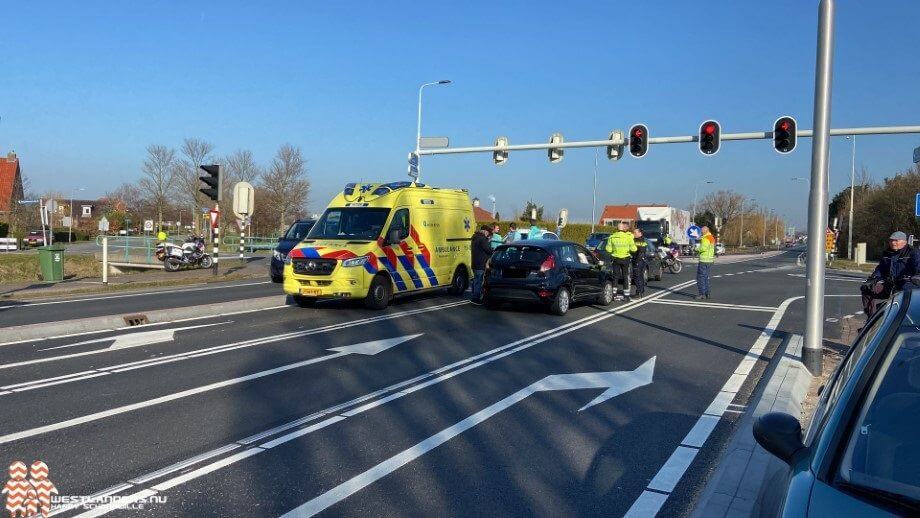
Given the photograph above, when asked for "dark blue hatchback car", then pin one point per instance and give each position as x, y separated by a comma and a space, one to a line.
294, 234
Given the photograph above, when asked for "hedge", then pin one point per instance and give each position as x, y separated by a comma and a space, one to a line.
575, 232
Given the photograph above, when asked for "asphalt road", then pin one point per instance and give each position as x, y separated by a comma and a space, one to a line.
15, 313
431, 407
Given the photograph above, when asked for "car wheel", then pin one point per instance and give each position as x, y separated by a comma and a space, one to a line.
459, 282
561, 302
379, 294
304, 302
607, 294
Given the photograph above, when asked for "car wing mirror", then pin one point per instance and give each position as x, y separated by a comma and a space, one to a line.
779, 434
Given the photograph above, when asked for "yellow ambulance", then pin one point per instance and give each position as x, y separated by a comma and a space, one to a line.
377, 241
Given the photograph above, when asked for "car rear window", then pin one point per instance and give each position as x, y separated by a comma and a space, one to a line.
515, 254
883, 452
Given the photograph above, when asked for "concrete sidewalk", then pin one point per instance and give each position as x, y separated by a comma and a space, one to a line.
734, 488
231, 268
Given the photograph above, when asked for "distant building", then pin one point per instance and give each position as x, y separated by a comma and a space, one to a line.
614, 214
481, 214
10, 184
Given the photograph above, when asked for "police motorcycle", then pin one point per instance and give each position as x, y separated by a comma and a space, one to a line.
670, 259
190, 253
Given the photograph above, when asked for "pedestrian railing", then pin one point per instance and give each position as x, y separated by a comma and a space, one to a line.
251, 243
131, 249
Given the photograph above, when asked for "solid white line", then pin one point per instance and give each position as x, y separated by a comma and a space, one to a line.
672, 471
484, 358
162, 399
711, 305
160, 360
648, 504
183, 464
670, 474
142, 326
177, 289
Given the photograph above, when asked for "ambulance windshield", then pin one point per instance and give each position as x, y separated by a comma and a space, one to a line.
354, 223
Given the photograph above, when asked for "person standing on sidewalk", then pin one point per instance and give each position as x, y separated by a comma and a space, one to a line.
899, 263
481, 252
620, 245
707, 255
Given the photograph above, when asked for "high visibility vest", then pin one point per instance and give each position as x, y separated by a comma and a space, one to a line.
707, 248
621, 244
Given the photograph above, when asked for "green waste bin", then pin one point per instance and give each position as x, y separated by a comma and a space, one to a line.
51, 259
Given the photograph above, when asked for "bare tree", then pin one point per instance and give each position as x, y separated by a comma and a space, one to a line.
241, 167
195, 152
725, 204
159, 175
285, 184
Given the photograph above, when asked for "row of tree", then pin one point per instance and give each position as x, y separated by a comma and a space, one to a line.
878, 210
743, 221
168, 189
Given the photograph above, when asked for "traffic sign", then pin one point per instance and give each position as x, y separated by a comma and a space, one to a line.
694, 232
244, 200
413, 165
917, 155
148, 225
103, 224
917, 205
215, 216
830, 238
433, 142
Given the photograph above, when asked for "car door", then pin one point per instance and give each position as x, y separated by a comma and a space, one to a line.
574, 268
405, 250
593, 272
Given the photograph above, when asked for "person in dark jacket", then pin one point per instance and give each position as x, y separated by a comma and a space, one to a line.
481, 251
898, 264
639, 263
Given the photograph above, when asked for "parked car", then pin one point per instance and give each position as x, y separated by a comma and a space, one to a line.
720, 249
595, 239
293, 235
552, 273
860, 455
652, 259
522, 234
35, 238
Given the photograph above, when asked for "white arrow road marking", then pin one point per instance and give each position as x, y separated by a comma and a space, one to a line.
616, 383
197, 353
367, 348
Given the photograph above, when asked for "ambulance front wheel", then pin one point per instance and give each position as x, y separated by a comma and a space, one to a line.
379, 294
459, 282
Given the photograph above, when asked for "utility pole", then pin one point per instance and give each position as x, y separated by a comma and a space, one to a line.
812, 351
741, 231
594, 196
852, 185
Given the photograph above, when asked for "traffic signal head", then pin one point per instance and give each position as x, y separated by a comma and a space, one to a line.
615, 149
638, 140
710, 137
500, 156
784, 135
212, 180
555, 153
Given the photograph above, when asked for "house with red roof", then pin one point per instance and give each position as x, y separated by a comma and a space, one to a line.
614, 214
10, 184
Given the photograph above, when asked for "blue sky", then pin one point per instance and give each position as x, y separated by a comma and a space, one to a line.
87, 85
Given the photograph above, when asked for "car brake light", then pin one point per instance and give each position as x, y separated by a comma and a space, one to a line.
548, 264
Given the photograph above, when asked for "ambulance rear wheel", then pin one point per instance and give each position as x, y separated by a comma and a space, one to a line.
304, 302
459, 282
379, 294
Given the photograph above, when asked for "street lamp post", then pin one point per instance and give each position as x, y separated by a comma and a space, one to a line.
741, 233
852, 185
70, 228
418, 133
763, 242
594, 195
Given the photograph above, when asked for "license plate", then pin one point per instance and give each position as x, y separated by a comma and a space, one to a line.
311, 292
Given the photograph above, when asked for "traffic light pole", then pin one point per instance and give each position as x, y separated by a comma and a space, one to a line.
813, 347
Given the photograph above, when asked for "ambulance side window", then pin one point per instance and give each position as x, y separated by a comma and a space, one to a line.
401, 223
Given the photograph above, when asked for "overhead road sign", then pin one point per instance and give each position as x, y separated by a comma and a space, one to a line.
433, 142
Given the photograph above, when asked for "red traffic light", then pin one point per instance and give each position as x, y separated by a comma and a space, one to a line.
784, 135
637, 132
784, 125
638, 140
709, 129
710, 137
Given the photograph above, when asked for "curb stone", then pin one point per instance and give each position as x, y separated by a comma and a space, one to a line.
734, 488
117, 322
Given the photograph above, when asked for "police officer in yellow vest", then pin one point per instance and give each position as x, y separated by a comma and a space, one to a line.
707, 251
639, 262
621, 245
